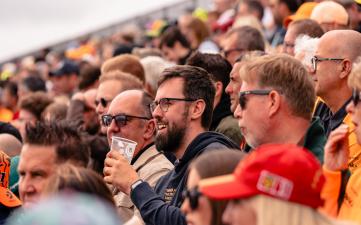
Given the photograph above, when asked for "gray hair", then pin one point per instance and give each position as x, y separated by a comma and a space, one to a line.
153, 67
306, 46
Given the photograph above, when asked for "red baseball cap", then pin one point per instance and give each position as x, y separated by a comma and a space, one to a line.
282, 171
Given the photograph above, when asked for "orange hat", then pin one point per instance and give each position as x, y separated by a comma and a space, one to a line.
7, 198
287, 172
4, 169
303, 12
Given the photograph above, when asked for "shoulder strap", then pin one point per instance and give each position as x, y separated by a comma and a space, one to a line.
345, 176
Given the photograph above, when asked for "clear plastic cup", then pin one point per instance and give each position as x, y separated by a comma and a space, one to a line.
125, 146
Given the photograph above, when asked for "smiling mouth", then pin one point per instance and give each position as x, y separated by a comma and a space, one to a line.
161, 126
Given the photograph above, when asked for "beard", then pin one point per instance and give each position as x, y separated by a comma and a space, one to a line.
171, 141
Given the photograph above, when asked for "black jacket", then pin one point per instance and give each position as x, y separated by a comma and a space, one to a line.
161, 206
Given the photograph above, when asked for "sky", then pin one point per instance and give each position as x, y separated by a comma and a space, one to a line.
28, 25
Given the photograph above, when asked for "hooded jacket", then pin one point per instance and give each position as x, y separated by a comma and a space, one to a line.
161, 206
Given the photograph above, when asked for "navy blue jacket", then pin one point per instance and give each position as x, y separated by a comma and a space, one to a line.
161, 206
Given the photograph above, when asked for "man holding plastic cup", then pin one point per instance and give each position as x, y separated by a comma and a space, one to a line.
131, 132
182, 110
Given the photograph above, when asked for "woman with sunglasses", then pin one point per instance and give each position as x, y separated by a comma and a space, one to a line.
200, 210
344, 201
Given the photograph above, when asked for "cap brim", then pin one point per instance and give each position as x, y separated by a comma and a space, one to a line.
224, 187
291, 18
8, 198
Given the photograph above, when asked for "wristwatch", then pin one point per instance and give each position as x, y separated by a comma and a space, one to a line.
135, 184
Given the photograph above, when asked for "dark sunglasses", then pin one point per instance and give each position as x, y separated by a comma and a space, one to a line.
243, 99
193, 196
120, 120
355, 97
103, 102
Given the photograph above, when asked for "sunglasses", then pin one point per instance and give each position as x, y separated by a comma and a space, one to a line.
243, 99
103, 102
355, 97
120, 120
226, 53
193, 196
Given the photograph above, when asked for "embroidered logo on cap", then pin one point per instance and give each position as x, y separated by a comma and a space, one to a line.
275, 185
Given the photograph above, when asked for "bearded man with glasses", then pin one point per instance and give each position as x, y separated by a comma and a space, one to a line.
129, 117
182, 111
275, 104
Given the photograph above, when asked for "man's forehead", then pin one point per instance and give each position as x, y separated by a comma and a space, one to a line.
125, 104
172, 87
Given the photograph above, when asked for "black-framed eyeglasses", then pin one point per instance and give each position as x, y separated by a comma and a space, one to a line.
316, 59
104, 103
193, 195
355, 96
164, 103
120, 120
242, 96
226, 53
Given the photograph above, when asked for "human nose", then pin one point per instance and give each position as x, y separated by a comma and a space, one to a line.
226, 217
157, 111
229, 88
185, 208
99, 109
238, 112
350, 108
25, 185
112, 128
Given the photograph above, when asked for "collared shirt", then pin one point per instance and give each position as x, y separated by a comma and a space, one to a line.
329, 120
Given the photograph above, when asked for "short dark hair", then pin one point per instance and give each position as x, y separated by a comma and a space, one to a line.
255, 6
171, 36
217, 66
83, 180
66, 138
34, 83
197, 85
147, 99
35, 103
88, 76
308, 27
292, 5
249, 38
12, 87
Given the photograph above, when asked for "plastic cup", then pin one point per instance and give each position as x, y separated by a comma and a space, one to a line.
125, 146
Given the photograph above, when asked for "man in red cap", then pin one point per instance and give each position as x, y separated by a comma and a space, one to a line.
276, 183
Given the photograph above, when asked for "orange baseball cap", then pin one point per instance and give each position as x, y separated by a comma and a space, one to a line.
8, 198
303, 12
287, 172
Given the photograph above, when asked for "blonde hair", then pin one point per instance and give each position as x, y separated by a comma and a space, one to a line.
128, 80
286, 75
272, 211
354, 79
127, 63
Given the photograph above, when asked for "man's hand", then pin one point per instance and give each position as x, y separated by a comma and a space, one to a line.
337, 149
118, 172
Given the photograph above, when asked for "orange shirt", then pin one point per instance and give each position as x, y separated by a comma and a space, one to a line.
5, 115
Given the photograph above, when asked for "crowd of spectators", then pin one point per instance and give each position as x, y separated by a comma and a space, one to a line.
248, 113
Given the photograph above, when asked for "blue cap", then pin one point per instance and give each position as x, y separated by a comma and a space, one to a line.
66, 67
